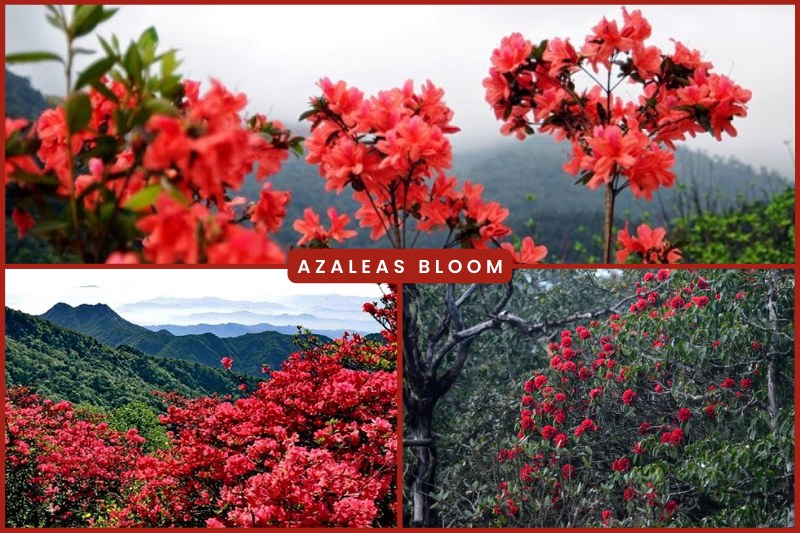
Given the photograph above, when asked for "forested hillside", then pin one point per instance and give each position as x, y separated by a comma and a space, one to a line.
62, 364
22, 100
250, 351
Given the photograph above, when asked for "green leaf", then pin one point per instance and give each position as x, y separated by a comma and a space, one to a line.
144, 198
133, 63
585, 178
105, 91
94, 72
297, 148
86, 18
55, 21
307, 114
169, 63
47, 226
32, 57
107, 47
78, 109
171, 87
108, 13
159, 106
147, 45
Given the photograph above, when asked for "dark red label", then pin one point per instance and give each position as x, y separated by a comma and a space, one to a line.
400, 266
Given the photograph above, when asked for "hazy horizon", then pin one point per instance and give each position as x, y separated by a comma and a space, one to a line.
130, 293
276, 54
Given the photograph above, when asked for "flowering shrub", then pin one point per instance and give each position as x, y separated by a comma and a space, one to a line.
616, 143
138, 164
314, 445
663, 416
392, 150
61, 469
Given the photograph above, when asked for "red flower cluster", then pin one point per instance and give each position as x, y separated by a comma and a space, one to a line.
533, 86
628, 397
173, 178
76, 463
314, 445
392, 150
648, 245
621, 465
589, 390
673, 438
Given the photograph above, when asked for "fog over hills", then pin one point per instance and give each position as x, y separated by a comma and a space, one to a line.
331, 312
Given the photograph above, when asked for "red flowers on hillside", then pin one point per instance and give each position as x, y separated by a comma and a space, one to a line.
313, 445
623, 400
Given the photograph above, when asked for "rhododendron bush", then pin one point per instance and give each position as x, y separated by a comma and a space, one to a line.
392, 150
616, 143
137, 164
677, 412
313, 445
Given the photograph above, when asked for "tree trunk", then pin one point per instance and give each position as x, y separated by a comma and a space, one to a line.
773, 362
423, 471
419, 400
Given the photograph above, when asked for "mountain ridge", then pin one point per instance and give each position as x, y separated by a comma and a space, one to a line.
270, 347
60, 363
233, 329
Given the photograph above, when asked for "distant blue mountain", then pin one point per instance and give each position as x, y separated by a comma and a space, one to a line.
249, 350
235, 330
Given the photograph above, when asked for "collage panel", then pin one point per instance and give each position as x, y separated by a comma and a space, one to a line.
612, 137
601, 398
198, 398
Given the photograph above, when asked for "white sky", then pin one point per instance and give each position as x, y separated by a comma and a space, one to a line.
277, 53
34, 291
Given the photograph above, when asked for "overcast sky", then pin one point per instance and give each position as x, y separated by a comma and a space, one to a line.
277, 53
37, 290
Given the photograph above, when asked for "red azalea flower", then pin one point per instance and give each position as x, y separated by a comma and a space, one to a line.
628, 397
621, 465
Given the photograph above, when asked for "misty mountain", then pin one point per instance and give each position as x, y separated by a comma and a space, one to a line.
203, 303
60, 363
22, 100
249, 351
98, 321
234, 330
527, 177
543, 201
305, 320
323, 314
